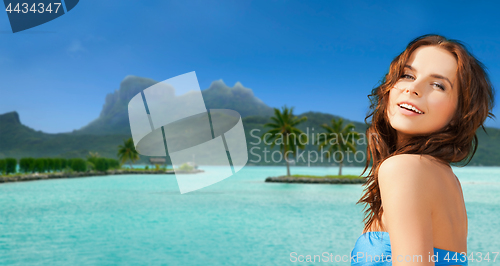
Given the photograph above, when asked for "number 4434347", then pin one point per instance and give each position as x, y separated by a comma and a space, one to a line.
474, 256
40, 8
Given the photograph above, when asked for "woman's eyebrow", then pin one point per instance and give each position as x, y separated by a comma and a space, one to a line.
432, 75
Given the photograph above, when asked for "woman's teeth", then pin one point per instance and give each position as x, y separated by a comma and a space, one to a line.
410, 107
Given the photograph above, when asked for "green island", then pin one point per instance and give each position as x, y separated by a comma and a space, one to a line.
329, 176
70, 173
28, 169
284, 130
312, 179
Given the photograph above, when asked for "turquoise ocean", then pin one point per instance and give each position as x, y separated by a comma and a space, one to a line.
143, 219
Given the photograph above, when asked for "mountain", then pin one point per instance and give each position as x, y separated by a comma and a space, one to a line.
18, 140
104, 134
237, 98
114, 115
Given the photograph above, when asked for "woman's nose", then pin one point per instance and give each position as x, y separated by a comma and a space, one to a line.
408, 91
412, 89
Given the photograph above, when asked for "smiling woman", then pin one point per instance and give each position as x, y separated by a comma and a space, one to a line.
424, 116
424, 100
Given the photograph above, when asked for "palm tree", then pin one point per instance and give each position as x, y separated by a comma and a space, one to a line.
127, 152
338, 139
283, 130
93, 155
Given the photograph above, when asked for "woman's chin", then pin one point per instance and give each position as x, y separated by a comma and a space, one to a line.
410, 130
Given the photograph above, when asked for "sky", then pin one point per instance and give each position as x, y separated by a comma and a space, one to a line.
323, 56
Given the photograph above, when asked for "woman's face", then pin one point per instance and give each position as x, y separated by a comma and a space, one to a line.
429, 88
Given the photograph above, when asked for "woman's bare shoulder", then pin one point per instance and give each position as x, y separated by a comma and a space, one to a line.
412, 164
409, 171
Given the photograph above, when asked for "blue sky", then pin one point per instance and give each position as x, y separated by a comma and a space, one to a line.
323, 56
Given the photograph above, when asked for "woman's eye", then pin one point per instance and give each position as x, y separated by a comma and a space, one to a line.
406, 76
439, 86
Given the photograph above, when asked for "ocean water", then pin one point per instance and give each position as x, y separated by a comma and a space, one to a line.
143, 219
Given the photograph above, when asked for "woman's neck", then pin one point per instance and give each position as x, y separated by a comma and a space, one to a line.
401, 138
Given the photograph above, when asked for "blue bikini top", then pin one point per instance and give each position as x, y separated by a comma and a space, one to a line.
374, 249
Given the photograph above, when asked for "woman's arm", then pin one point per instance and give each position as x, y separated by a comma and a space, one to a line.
406, 191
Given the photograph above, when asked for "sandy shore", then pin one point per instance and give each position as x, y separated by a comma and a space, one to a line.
311, 180
37, 176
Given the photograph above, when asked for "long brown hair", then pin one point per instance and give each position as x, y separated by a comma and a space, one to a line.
456, 143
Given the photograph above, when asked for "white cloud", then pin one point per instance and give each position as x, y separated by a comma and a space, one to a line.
76, 47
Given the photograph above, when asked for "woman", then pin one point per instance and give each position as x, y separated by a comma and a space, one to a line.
424, 116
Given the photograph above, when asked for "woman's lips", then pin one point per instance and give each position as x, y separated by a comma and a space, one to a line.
407, 112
